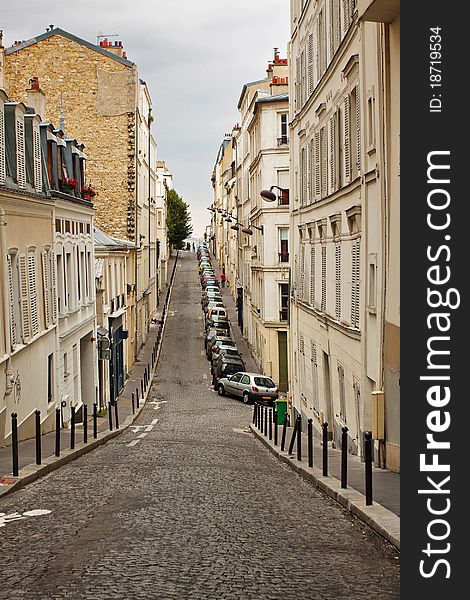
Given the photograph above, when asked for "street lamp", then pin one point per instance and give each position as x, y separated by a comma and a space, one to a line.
270, 196
249, 230
236, 226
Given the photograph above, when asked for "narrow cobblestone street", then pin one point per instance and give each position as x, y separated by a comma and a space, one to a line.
187, 504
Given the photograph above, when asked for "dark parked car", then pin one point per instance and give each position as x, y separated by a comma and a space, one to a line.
214, 334
225, 368
224, 350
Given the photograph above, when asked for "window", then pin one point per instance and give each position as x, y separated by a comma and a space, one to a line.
14, 297
58, 226
33, 292
302, 272
323, 278
372, 296
66, 366
284, 137
245, 379
283, 245
236, 378
342, 395
313, 353
284, 295
47, 286
2, 147
50, 378
312, 275
338, 280
355, 278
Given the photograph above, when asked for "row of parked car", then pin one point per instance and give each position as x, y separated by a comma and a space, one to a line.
228, 370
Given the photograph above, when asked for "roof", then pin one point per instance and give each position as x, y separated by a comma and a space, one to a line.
278, 98
103, 240
244, 88
71, 37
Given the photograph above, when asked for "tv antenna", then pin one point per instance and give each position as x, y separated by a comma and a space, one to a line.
101, 36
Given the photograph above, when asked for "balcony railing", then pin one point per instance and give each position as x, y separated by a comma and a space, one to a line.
283, 140
284, 257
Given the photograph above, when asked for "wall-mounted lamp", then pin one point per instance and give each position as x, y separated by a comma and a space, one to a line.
211, 208
236, 226
270, 196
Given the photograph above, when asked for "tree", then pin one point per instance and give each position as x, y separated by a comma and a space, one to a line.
178, 219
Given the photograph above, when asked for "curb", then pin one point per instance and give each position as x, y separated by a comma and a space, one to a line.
377, 517
33, 472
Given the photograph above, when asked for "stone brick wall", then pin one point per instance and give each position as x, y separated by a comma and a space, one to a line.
99, 111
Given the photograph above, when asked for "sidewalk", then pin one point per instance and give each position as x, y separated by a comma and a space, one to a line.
384, 514
29, 471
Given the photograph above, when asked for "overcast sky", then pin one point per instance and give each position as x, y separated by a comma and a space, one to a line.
195, 55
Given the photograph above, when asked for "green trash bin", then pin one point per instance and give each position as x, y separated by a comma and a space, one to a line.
281, 407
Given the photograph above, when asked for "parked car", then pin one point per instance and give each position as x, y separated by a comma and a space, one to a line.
216, 311
226, 367
212, 335
250, 387
210, 305
218, 323
215, 341
228, 350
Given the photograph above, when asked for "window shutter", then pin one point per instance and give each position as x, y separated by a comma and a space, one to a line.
311, 51
312, 275
324, 40
302, 176
302, 272
46, 283
24, 302
2, 148
338, 281
301, 344
347, 141
318, 51
53, 286
13, 336
331, 34
336, 23
332, 162
298, 78
33, 299
324, 162
355, 283
305, 183
358, 129
317, 166
310, 174
345, 16
323, 278
37, 161
20, 160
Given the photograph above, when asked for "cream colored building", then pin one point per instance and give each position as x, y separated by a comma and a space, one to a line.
164, 183
342, 166
102, 102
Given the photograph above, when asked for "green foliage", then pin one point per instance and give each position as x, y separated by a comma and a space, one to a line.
178, 219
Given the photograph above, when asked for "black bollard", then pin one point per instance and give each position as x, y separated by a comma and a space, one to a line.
14, 443
142, 388
57, 431
265, 420
137, 396
368, 466
325, 449
254, 413
275, 426
261, 419
95, 420
72, 428
310, 442
148, 376
284, 431
292, 439
116, 414
344, 457
270, 436
37, 414
299, 439
145, 378
133, 403
110, 415
85, 424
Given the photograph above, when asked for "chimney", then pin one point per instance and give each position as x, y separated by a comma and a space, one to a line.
115, 48
35, 98
2, 62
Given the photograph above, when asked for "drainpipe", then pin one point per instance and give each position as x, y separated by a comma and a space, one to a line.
6, 305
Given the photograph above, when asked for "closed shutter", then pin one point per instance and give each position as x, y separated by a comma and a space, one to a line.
11, 301
33, 297
46, 283
20, 159
345, 16
324, 43
318, 50
24, 300
355, 283
324, 162
346, 140
310, 174
2, 147
313, 353
317, 166
298, 78
358, 129
312, 275
336, 23
331, 34
37, 161
302, 272
301, 344
332, 161
52, 258
305, 182
323, 278
302, 176
338, 281
311, 54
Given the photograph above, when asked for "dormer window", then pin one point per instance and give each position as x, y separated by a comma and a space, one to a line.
2, 143
15, 143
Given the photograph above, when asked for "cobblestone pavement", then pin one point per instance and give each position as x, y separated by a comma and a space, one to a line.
191, 507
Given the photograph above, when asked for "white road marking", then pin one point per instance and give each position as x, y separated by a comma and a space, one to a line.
137, 427
133, 443
155, 421
149, 428
142, 435
36, 512
204, 375
157, 403
16, 516
202, 352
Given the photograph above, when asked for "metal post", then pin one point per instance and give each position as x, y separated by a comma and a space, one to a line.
37, 414
95, 420
72, 428
85, 424
270, 424
57, 431
284, 431
344, 457
110, 415
368, 466
137, 396
325, 449
14, 443
265, 420
254, 413
275, 426
142, 388
294, 433
148, 376
299, 439
133, 403
116, 415
261, 419
310, 442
